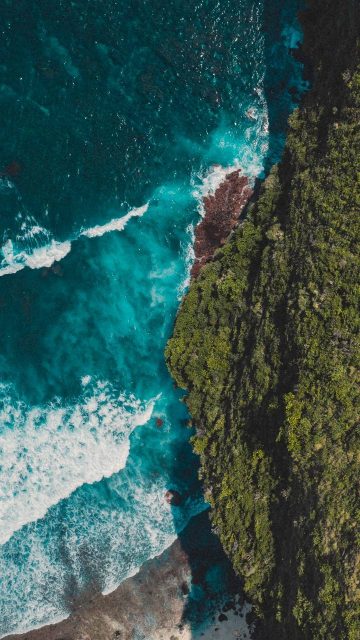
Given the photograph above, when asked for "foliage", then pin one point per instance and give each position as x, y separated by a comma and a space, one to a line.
267, 344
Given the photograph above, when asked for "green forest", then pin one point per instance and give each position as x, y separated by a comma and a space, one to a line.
266, 343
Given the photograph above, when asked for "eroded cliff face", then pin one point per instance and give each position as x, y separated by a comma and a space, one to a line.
267, 344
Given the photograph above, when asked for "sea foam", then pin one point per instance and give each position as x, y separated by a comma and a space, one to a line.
244, 150
209, 181
37, 255
101, 540
117, 224
40, 257
46, 452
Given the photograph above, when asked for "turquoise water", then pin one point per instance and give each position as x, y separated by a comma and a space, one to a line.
116, 117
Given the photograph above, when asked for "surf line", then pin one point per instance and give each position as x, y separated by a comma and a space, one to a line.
54, 251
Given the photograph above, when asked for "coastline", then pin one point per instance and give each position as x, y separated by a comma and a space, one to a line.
163, 600
265, 344
183, 605
176, 589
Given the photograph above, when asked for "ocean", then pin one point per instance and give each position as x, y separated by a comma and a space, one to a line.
117, 118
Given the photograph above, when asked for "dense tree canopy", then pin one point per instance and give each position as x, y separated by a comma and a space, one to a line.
267, 344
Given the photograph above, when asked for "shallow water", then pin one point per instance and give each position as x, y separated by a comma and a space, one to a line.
114, 115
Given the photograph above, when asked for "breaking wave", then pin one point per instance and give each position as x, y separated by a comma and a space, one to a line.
38, 255
46, 452
117, 224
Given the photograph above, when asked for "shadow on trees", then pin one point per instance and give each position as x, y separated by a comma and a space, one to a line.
214, 587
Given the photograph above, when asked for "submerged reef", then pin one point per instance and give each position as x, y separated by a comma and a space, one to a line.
266, 343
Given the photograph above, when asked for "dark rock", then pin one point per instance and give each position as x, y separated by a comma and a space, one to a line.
174, 498
159, 422
293, 91
222, 617
184, 588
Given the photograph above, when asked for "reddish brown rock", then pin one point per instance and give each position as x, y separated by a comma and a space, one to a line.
173, 497
12, 170
222, 212
159, 422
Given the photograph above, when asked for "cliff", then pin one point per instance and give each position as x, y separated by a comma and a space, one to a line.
266, 343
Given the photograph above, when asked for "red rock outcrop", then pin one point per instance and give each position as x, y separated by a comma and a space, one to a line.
222, 212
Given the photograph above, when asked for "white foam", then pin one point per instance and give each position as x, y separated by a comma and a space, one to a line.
33, 231
46, 256
10, 269
47, 452
209, 181
160, 526
117, 224
23, 605
119, 533
247, 150
40, 257
53, 251
189, 258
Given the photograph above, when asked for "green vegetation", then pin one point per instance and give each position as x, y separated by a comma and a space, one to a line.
267, 344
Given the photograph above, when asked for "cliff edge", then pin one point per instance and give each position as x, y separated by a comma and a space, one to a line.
266, 342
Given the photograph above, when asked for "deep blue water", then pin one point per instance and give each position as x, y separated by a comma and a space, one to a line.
113, 117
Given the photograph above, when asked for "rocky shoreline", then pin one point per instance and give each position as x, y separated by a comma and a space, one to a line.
172, 597
222, 211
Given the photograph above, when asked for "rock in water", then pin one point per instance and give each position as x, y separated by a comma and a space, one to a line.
174, 498
222, 212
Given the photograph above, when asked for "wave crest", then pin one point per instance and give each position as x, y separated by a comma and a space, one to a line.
117, 224
46, 452
44, 255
